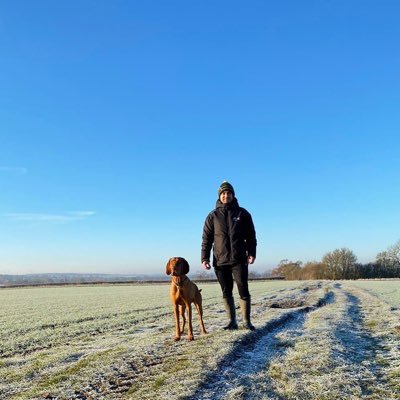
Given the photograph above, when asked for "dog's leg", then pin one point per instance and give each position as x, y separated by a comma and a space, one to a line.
183, 311
177, 328
190, 327
199, 308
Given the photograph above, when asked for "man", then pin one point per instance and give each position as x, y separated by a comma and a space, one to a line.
229, 231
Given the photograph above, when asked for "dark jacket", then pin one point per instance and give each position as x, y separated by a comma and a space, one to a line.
230, 228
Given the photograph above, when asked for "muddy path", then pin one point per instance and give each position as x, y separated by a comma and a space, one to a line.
350, 370
251, 354
249, 351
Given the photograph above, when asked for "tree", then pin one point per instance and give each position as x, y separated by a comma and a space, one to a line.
289, 269
314, 270
389, 261
340, 264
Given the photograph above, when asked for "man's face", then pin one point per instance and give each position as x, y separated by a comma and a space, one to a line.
226, 197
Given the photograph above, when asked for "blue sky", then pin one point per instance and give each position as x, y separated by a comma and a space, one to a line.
119, 120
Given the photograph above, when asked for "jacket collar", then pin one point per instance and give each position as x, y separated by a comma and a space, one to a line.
234, 204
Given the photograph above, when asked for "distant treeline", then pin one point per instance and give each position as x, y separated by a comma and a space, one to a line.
65, 279
337, 264
7, 281
342, 264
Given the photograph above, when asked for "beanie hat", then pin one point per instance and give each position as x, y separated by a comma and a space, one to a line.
225, 186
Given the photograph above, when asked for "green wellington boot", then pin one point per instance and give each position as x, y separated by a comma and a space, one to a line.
245, 307
229, 304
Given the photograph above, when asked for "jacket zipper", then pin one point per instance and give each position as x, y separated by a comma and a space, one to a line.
230, 234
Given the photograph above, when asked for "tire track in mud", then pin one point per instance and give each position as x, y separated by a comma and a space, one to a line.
355, 354
251, 354
251, 349
359, 348
241, 373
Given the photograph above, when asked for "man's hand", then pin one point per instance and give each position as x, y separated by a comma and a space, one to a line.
251, 259
206, 265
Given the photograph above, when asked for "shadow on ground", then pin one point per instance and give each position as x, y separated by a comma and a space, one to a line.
217, 382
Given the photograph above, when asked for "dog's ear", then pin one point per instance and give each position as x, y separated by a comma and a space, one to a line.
168, 268
185, 266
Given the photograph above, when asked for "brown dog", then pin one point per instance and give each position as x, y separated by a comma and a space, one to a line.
183, 293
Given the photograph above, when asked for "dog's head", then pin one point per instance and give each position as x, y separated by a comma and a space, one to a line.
177, 266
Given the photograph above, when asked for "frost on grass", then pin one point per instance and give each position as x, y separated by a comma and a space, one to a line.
382, 321
116, 342
239, 373
333, 358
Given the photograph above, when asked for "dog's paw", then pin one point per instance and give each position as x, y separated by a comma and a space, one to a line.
190, 337
177, 338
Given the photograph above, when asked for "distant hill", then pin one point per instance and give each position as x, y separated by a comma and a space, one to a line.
62, 279
76, 279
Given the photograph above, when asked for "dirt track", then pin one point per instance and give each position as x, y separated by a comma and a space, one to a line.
314, 340
321, 349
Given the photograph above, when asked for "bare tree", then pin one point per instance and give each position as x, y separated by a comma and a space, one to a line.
340, 264
289, 269
314, 270
389, 260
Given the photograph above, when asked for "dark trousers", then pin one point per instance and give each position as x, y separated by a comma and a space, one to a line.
227, 274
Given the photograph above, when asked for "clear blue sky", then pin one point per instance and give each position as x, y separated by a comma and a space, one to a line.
119, 120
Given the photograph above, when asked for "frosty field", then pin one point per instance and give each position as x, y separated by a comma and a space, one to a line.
314, 340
